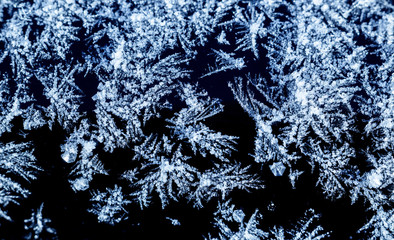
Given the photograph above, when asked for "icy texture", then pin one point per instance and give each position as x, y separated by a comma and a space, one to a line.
18, 167
305, 229
249, 228
38, 227
109, 205
132, 94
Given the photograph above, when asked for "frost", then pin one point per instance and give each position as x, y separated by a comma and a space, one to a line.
277, 169
38, 227
86, 162
133, 94
247, 228
304, 229
165, 168
201, 138
252, 28
221, 38
224, 62
174, 222
33, 119
375, 180
221, 181
318, 2
80, 184
381, 225
18, 166
60, 90
168, 175
109, 205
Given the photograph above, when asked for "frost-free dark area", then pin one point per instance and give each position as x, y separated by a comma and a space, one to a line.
218, 119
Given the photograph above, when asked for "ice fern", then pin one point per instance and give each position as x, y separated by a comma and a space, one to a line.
247, 229
232, 223
109, 206
16, 162
303, 230
167, 169
38, 227
86, 162
123, 103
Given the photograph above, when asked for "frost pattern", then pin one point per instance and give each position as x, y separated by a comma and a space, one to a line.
247, 228
109, 205
227, 216
304, 229
321, 97
38, 227
168, 171
16, 162
88, 163
118, 76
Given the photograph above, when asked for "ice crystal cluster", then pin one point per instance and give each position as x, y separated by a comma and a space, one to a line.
193, 119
